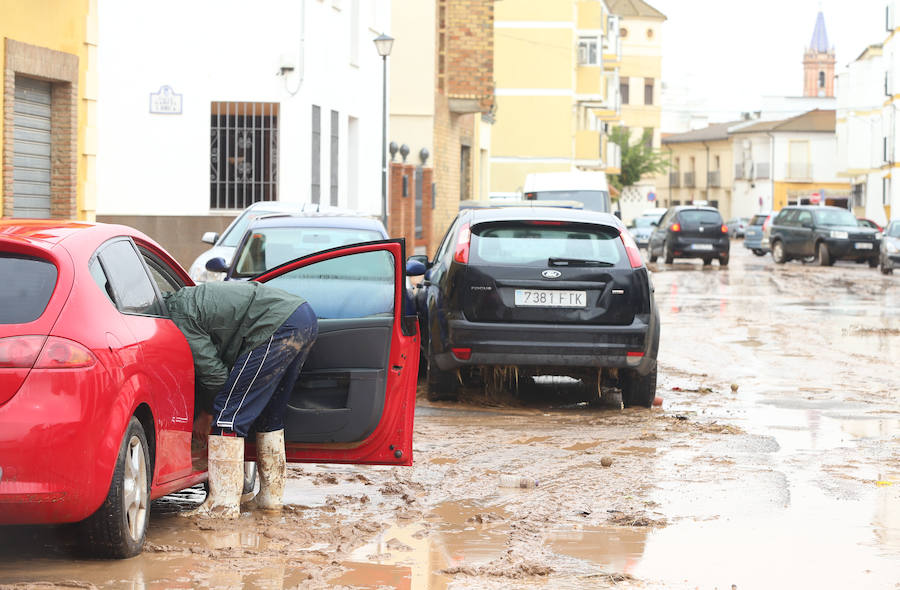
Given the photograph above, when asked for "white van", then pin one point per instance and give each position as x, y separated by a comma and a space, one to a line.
589, 188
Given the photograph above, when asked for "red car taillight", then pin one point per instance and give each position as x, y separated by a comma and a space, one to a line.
634, 254
724, 229
675, 227
20, 352
42, 352
461, 254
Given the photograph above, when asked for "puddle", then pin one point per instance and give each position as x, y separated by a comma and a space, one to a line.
617, 549
583, 446
404, 557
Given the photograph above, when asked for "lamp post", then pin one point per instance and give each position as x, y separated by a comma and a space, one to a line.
383, 44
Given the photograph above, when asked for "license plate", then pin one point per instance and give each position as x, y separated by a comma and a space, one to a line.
541, 298
702, 246
863, 245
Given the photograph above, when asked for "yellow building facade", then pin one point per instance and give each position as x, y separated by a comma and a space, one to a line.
701, 168
48, 128
555, 68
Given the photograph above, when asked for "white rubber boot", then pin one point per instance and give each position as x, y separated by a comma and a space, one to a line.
226, 478
272, 470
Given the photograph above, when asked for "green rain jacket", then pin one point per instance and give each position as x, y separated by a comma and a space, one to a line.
222, 321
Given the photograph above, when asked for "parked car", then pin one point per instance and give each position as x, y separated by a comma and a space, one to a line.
544, 291
97, 384
825, 232
889, 255
271, 240
863, 222
737, 227
753, 234
688, 231
642, 226
223, 246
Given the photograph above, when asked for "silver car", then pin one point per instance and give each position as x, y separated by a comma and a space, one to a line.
889, 256
224, 246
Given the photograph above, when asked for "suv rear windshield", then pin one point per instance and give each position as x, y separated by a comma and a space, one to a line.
24, 299
700, 216
534, 244
758, 219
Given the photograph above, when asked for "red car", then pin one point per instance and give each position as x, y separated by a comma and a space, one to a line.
97, 384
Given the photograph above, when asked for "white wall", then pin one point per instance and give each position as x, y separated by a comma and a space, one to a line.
228, 50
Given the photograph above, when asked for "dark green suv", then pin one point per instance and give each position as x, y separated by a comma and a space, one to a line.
823, 233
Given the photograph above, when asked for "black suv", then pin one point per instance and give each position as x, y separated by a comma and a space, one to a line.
539, 291
690, 232
824, 232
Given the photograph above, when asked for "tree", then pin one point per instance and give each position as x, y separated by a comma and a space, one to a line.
638, 158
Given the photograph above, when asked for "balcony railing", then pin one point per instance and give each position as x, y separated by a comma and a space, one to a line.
688, 180
674, 179
714, 179
798, 171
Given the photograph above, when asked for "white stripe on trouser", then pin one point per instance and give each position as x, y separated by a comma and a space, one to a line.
219, 421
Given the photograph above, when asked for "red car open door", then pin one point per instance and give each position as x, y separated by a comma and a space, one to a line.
355, 399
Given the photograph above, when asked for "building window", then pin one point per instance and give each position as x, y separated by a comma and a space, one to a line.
465, 167
243, 154
821, 79
647, 137
649, 33
623, 90
587, 51
315, 156
648, 90
335, 131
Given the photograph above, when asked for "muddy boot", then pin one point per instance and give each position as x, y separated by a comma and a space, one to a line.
272, 470
226, 478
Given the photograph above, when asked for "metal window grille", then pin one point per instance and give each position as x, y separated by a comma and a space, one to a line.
334, 157
243, 154
315, 156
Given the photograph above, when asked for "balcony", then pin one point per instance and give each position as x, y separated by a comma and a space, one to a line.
613, 158
674, 179
587, 145
739, 171
714, 179
688, 180
589, 81
798, 171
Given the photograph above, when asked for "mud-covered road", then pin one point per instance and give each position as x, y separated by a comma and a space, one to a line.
774, 462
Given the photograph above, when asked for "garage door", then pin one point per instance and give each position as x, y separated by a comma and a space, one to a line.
31, 148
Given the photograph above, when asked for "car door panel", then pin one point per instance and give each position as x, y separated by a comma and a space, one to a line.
355, 396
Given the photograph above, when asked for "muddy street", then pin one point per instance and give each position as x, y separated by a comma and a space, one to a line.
773, 462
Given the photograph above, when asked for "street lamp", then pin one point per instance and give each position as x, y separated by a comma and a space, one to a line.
383, 44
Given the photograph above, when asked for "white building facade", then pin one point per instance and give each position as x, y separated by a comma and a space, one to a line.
205, 107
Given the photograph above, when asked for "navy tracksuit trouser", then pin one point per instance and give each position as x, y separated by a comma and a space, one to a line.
255, 397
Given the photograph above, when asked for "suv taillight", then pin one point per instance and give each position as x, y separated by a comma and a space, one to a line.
461, 254
634, 254
42, 352
724, 229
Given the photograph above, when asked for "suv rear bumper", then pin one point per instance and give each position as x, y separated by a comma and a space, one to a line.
552, 345
690, 247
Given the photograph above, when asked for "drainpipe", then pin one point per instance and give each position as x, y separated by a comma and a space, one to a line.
300, 60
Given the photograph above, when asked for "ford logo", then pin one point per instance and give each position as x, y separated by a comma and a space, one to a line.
551, 274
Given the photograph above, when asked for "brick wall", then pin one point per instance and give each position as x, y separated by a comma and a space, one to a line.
402, 217
469, 50
464, 85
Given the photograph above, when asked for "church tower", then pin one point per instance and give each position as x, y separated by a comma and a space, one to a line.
818, 63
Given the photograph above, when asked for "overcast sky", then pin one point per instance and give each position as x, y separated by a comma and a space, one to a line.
730, 53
